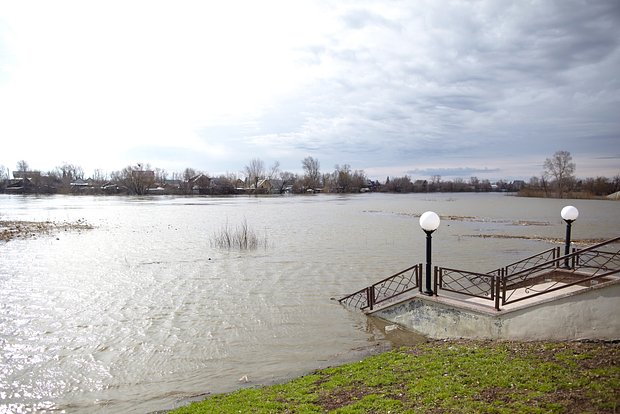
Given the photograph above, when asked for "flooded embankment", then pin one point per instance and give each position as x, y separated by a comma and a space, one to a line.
121, 304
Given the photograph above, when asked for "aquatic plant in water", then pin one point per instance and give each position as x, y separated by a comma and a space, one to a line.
242, 237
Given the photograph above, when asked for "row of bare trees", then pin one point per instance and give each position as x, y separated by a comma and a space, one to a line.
557, 179
342, 179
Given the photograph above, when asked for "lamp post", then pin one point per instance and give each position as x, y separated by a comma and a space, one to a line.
569, 214
429, 222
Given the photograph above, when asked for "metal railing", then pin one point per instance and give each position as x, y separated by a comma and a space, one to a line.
536, 275
533, 276
597, 260
388, 288
478, 285
532, 261
524, 272
584, 267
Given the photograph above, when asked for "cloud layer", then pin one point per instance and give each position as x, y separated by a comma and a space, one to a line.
488, 88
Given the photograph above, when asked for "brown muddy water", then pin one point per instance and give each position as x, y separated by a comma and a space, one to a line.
141, 312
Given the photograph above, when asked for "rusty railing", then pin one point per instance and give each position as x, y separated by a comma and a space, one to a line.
388, 288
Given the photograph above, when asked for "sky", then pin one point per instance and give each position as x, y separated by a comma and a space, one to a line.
481, 88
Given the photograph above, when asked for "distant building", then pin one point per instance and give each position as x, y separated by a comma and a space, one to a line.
145, 175
264, 186
420, 186
79, 183
518, 185
26, 174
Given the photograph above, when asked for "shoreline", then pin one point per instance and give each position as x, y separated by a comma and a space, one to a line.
437, 374
22, 229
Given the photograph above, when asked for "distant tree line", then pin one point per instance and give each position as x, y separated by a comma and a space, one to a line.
255, 178
558, 180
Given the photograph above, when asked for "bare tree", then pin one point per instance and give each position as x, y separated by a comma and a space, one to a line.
65, 174
287, 179
561, 167
138, 178
187, 184
312, 171
274, 171
23, 167
99, 176
223, 184
358, 181
616, 183
161, 176
4, 176
474, 182
188, 173
343, 178
399, 184
69, 172
31, 179
544, 184
255, 171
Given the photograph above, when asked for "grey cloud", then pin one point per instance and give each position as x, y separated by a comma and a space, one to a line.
476, 79
453, 172
180, 155
609, 157
360, 18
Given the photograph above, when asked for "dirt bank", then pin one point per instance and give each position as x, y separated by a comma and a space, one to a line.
17, 229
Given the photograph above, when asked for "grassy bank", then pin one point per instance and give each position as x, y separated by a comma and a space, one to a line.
447, 377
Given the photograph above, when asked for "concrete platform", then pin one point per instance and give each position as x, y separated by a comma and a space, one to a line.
572, 313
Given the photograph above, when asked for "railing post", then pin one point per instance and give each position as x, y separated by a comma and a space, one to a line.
419, 277
370, 294
503, 287
574, 259
497, 280
436, 275
567, 245
420, 270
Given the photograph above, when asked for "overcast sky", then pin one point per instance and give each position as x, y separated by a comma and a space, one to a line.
455, 88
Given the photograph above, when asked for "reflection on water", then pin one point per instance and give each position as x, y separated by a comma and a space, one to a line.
142, 313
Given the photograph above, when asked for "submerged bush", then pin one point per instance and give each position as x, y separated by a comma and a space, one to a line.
242, 237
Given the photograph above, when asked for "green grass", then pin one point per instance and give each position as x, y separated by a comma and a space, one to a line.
447, 377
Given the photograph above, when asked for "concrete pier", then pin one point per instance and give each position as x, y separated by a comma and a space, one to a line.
576, 313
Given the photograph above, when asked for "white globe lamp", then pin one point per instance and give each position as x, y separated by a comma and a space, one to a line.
429, 221
569, 214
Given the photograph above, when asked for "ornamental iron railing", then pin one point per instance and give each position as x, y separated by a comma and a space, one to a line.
536, 275
474, 284
583, 267
386, 289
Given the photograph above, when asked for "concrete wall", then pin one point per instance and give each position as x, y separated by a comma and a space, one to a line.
593, 313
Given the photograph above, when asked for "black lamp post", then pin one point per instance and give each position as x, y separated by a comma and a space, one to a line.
429, 222
569, 214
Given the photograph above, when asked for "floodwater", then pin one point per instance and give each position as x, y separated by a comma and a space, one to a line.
142, 313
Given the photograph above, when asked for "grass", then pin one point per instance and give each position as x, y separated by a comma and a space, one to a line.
241, 237
447, 377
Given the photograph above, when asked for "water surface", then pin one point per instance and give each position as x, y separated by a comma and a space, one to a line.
142, 312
